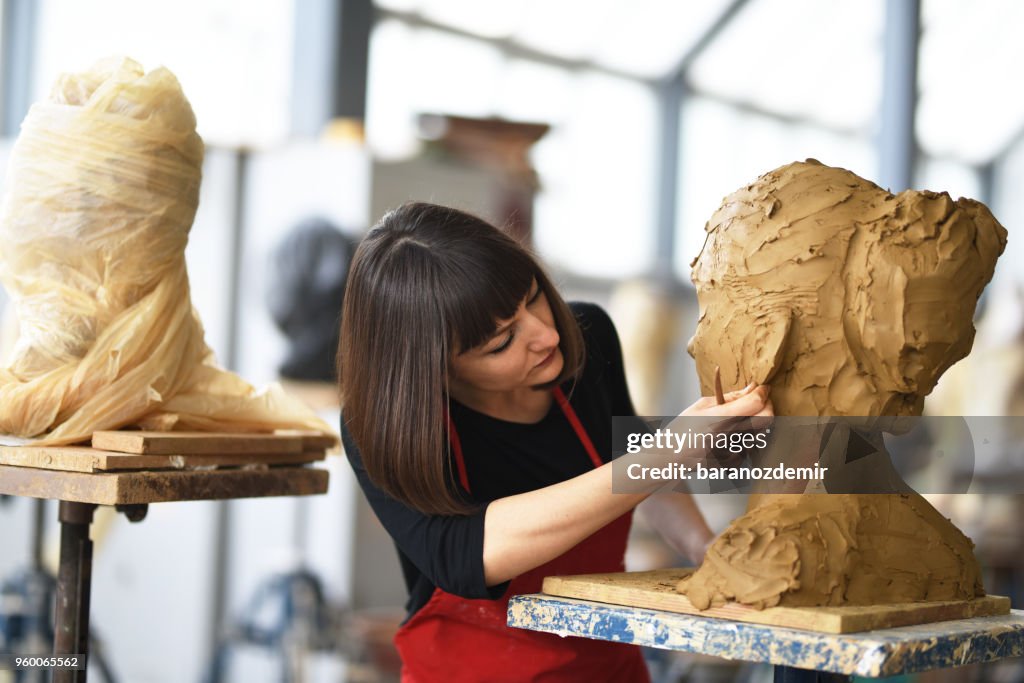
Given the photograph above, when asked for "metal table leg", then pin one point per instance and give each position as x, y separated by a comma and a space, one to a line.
74, 576
789, 674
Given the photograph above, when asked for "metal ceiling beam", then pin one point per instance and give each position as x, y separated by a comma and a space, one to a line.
332, 39
671, 93
351, 58
1011, 144
987, 182
713, 31
789, 119
509, 48
513, 49
897, 143
852, 133
16, 62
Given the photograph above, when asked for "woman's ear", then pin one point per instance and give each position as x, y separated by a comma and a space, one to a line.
745, 350
765, 345
449, 369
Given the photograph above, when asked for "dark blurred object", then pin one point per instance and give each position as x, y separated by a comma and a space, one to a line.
308, 272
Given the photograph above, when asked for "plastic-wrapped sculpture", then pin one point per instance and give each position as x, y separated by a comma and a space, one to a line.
848, 301
101, 192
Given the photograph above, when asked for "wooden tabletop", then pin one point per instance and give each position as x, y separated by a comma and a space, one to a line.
137, 487
885, 652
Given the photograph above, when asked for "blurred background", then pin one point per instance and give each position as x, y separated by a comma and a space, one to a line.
603, 132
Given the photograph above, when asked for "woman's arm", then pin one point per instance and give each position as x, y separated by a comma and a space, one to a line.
526, 530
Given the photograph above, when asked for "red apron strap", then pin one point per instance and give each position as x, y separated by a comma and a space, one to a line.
453, 439
577, 426
567, 410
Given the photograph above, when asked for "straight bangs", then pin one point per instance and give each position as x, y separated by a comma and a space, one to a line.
489, 279
486, 291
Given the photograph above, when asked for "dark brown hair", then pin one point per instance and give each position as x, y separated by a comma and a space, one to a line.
426, 281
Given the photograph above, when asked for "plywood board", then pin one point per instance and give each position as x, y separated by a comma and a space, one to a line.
311, 441
83, 459
656, 590
187, 443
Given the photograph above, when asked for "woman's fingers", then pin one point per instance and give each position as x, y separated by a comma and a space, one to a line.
733, 395
750, 403
750, 400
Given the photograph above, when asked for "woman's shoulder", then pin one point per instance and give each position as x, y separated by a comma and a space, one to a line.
603, 371
599, 335
348, 444
595, 324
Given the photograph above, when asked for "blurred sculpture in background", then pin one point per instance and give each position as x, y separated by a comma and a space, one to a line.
308, 272
848, 301
991, 381
101, 192
648, 317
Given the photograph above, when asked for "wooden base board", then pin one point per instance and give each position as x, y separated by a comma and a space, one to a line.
123, 488
656, 590
311, 441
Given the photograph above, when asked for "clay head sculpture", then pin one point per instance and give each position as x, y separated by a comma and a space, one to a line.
846, 299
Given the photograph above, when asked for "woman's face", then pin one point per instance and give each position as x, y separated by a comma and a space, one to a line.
522, 353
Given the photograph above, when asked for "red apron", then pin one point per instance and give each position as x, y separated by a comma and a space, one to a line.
455, 640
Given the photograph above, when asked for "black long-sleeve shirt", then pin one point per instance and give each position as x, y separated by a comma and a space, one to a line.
503, 459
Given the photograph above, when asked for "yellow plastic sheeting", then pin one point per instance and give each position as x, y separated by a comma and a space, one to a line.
102, 188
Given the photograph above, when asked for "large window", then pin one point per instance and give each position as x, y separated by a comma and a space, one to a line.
233, 57
595, 210
769, 90
724, 148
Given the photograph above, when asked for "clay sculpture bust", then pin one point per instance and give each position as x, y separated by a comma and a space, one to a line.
848, 301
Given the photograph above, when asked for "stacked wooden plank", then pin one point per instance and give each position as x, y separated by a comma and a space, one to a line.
120, 451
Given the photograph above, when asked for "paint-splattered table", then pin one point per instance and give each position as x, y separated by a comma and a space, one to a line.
798, 656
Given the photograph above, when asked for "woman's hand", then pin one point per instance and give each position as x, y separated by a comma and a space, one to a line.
752, 400
673, 513
744, 409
